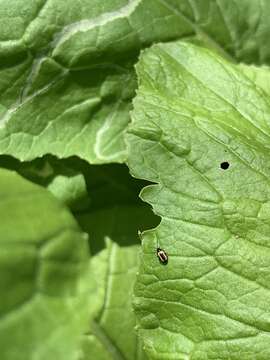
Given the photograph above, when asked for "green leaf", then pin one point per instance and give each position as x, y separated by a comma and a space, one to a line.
66, 69
258, 75
194, 112
43, 274
111, 335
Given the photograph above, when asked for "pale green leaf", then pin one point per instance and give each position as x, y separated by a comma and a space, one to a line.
112, 334
258, 75
194, 112
43, 274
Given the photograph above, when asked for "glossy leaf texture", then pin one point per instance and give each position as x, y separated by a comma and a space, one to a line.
200, 131
44, 261
66, 68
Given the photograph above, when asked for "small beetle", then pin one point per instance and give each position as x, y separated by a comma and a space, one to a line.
162, 256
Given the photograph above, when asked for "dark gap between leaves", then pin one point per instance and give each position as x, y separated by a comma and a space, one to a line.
111, 207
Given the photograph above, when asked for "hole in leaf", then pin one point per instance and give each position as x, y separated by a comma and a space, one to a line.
224, 165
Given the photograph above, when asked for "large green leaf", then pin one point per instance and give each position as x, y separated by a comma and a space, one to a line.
111, 334
194, 114
43, 274
66, 68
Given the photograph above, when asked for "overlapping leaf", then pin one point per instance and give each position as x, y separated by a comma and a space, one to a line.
66, 68
201, 131
43, 261
112, 332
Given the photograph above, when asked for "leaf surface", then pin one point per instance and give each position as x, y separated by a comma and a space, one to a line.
200, 131
112, 334
66, 69
43, 261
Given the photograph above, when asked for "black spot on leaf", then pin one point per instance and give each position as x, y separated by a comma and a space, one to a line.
224, 165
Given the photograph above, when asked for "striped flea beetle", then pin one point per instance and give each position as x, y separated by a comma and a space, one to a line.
162, 256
